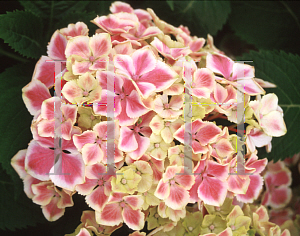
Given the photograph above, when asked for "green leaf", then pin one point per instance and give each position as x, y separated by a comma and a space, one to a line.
16, 214
171, 4
73, 17
22, 30
283, 70
57, 9
205, 17
15, 119
267, 24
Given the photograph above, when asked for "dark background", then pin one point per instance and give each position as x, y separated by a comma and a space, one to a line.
249, 26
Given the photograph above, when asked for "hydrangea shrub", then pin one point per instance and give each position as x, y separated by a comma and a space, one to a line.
149, 118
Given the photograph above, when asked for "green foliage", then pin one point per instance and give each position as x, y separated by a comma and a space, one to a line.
171, 4
14, 120
22, 31
16, 213
54, 9
206, 17
283, 70
267, 24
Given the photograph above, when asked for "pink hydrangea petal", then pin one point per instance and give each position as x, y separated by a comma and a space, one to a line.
218, 170
259, 138
143, 144
34, 94
212, 191
100, 64
46, 128
135, 201
117, 23
71, 91
254, 188
83, 232
162, 76
163, 190
285, 232
178, 198
197, 44
144, 125
145, 88
124, 119
194, 190
186, 181
78, 46
100, 44
142, 15
167, 135
18, 163
160, 46
28, 182
157, 124
39, 160
259, 165
65, 199
110, 215
176, 102
282, 178
70, 112
70, 170
220, 93
176, 53
47, 110
95, 171
171, 172
69, 144
66, 129
87, 187
280, 197
197, 125
242, 71
97, 199
86, 82
120, 7
179, 134
223, 147
251, 87
144, 61
44, 71
269, 103
57, 46
124, 64
150, 32
124, 48
91, 153
273, 124
43, 193
198, 148
204, 78
208, 133
81, 67
220, 64
238, 185
74, 30
201, 92
51, 211
127, 141
84, 138
133, 218
134, 105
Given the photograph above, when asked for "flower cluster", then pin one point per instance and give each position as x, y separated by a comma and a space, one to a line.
133, 95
